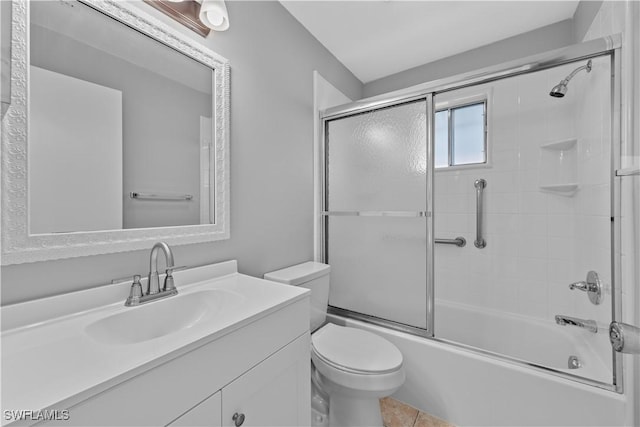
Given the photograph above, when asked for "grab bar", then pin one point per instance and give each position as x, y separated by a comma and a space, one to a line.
159, 196
409, 214
458, 241
480, 185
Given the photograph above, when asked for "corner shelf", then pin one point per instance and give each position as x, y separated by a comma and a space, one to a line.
558, 167
566, 144
561, 189
628, 171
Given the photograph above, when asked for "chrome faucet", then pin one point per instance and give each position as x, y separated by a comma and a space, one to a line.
153, 287
589, 325
136, 296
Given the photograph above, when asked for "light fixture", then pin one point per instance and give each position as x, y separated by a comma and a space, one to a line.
201, 16
213, 14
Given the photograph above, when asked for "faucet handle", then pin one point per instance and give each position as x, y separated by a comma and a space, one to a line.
169, 285
135, 293
592, 286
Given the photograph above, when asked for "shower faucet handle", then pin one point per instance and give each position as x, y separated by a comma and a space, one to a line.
592, 286
581, 286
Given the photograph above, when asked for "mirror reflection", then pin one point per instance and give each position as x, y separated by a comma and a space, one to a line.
120, 128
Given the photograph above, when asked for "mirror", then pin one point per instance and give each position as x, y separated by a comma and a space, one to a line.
119, 126
126, 137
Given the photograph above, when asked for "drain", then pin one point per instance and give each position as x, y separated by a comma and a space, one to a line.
574, 362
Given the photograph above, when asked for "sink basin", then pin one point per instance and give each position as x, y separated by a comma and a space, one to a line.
163, 317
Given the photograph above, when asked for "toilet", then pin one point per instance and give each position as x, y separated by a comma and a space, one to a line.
353, 367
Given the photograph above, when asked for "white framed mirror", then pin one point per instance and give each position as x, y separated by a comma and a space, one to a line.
117, 134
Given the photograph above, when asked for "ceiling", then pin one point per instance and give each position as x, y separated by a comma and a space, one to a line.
375, 39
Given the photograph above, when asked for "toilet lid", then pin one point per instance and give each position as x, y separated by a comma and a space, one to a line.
356, 350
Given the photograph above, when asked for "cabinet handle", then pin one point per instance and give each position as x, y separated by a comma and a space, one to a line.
238, 419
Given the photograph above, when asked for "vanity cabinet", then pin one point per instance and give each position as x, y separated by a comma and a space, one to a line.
260, 370
273, 393
207, 413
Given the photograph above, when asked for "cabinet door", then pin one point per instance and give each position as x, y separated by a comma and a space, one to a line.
274, 393
207, 413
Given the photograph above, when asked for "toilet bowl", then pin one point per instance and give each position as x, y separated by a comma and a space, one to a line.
353, 367
356, 369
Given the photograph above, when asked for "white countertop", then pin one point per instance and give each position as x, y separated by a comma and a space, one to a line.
53, 363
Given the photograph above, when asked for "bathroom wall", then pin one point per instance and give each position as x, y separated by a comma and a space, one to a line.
539, 241
584, 17
630, 190
272, 61
552, 36
624, 17
535, 238
562, 237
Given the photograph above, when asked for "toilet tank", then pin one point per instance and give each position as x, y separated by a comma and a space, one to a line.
310, 275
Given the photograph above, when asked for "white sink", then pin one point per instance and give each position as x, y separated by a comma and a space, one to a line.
67, 348
163, 317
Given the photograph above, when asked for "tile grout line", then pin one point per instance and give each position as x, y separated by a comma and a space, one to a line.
416, 419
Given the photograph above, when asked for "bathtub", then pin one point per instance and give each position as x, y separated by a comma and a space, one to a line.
468, 388
528, 339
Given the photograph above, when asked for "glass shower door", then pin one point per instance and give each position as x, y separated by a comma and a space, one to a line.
375, 212
545, 219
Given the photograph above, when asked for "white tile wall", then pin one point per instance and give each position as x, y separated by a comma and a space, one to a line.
537, 242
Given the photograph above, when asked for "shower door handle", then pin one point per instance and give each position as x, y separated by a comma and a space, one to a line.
624, 338
480, 185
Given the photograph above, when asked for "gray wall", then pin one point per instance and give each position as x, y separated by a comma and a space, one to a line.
543, 39
583, 17
554, 36
272, 60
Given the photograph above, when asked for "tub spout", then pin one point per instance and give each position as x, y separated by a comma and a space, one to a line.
589, 325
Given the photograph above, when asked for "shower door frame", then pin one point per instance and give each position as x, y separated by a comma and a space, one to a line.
428, 214
607, 46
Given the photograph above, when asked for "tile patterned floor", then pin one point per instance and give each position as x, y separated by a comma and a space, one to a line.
398, 414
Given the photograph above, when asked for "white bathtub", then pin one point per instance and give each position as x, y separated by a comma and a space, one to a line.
525, 338
471, 389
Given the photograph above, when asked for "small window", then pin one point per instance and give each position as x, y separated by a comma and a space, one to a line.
460, 135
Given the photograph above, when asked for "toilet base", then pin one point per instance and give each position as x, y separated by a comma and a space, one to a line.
348, 411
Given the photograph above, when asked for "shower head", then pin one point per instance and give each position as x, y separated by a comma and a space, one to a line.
560, 89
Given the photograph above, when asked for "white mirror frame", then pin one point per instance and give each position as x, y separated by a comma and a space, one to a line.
18, 246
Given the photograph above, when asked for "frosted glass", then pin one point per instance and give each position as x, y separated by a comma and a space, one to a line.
378, 160
441, 149
378, 267
467, 125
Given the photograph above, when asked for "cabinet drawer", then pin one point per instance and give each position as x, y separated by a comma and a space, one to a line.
277, 392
